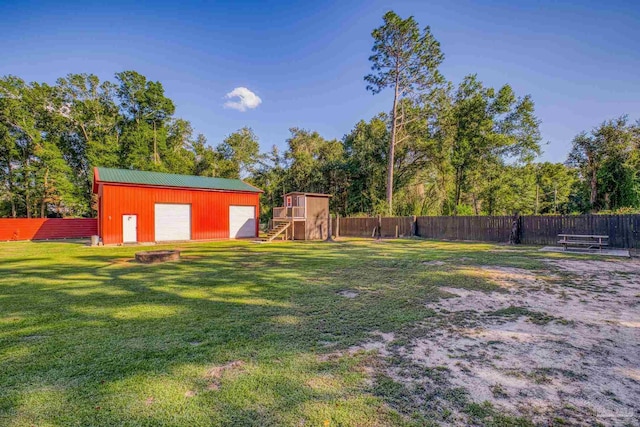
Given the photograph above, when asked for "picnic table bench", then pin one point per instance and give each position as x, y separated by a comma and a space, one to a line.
589, 241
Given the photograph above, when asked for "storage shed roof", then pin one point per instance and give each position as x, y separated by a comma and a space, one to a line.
159, 179
308, 194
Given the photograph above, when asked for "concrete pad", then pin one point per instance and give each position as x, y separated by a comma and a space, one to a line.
604, 252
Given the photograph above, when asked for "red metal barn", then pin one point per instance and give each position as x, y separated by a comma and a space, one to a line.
137, 206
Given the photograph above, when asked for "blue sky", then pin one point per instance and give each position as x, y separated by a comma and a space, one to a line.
579, 60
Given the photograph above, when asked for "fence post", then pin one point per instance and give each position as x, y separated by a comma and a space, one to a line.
379, 228
414, 226
337, 225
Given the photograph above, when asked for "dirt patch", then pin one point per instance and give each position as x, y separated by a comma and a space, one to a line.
215, 374
378, 342
348, 294
217, 371
213, 386
32, 337
434, 263
547, 345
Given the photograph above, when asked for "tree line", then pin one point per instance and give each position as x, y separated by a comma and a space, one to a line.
51, 137
441, 149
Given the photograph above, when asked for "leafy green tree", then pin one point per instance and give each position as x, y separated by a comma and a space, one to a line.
490, 127
366, 152
20, 135
315, 164
207, 160
467, 151
239, 153
407, 60
88, 134
504, 189
270, 175
8, 157
146, 111
179, 155
619, 175
586, 156
52, 136
607, 163
40, 176
554, 185
304, 157
55, 190
423, 169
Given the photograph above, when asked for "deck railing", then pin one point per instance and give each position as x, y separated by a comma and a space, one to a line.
284, 212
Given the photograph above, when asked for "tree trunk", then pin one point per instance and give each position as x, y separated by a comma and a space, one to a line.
28, 203
12, 196
43, 203
392, 150
456, 200
84, 132
155, 144
594, 188
514, 237
27, 167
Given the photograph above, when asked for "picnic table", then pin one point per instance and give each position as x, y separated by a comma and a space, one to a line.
588, 241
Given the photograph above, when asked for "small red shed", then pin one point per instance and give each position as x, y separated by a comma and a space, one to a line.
138, 206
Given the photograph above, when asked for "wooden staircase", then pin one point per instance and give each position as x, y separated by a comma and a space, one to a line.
276, 231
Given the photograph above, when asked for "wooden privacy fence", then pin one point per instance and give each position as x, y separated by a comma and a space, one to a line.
354, 227
623, 230
47, 228
480, 228
400, 226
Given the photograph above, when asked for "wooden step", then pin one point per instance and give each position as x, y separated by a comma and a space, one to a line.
275, 232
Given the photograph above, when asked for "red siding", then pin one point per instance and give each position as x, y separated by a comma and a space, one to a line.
47, 228
209, 210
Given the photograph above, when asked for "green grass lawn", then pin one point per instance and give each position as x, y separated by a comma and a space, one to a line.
233, 334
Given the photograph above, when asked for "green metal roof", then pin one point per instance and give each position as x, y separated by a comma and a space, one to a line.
127, 176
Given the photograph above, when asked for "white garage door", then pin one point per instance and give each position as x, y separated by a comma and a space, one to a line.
173, 222
242, 221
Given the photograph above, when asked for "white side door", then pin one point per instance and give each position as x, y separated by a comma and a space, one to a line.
242, 221
129, 228
172, 222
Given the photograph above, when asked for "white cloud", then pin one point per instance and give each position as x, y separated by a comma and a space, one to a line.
242, 99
